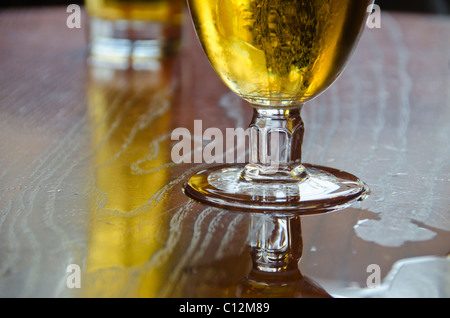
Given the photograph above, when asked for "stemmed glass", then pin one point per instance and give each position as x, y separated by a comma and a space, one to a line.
277, 55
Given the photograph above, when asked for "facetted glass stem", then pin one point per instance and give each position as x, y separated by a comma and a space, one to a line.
276, 137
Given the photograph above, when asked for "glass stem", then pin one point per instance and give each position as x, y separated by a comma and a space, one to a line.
275, 152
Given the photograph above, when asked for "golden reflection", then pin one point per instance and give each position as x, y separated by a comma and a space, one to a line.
130, 127
267, 267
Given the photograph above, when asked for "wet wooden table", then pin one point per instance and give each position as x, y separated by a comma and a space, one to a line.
88, 186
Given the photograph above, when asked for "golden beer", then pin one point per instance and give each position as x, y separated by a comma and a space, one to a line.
278, 52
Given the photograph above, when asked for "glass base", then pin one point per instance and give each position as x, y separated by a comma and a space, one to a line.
323, 189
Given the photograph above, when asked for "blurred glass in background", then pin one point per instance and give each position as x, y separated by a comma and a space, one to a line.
132, 33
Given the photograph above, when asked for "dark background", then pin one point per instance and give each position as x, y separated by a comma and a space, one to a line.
425, 6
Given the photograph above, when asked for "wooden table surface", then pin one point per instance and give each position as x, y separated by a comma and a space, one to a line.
86, 176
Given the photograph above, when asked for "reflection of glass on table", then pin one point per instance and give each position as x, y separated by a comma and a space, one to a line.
276, 248
124, 32
129, 123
